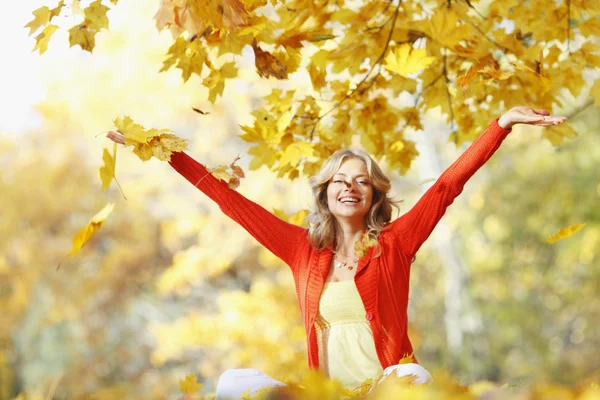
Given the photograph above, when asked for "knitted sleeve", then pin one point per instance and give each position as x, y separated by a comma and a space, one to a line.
278, 236
415, 226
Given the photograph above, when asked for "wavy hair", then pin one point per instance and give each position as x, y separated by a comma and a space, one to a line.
322, 223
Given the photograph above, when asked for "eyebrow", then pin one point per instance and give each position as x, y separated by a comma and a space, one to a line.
359, 175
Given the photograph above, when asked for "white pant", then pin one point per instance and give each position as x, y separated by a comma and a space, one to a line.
234, 382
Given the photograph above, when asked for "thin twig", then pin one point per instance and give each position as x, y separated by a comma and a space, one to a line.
448, 90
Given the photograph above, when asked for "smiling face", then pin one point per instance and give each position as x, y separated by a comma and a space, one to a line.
349, 192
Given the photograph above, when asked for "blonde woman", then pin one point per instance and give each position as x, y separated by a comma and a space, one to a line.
354, 306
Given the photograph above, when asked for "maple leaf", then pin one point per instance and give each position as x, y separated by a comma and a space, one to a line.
151, 142
216, 80
41, 40
268, 65
294, 152
107, 171
41, 16
405, 60
229, 173
557, 134
564, 233
82, 36
189, 385
95, 15
84, 235
134, 133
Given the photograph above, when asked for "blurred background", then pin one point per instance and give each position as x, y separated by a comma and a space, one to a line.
170, 286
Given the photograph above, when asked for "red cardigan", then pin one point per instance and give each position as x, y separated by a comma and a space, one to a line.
383, 281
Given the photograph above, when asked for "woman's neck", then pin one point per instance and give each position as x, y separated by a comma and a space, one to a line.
346, 235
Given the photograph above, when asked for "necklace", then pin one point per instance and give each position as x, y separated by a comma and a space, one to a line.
341, 264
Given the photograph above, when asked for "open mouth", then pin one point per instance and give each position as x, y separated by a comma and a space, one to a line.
349, 200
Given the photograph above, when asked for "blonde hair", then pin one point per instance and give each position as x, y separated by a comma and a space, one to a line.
322, 223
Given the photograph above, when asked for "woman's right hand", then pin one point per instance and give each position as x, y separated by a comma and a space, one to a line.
116, 137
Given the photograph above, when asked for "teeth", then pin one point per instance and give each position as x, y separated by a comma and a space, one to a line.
349, 200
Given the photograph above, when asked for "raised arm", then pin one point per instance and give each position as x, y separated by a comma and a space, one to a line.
414, 227
278, 236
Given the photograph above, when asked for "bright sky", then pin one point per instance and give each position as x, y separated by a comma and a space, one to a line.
20, 71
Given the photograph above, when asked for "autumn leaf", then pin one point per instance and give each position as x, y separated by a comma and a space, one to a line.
149, 142
564, 233
406, 60
41, 40
82, 36
361, 248
199, 111
107, 171
295, 152
215, 82
229, 173
84, 235
41, 17
267, 65
95, 15
189, 385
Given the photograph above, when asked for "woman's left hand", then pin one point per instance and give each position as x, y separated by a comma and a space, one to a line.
530, 116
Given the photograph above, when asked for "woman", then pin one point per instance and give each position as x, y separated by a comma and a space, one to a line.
354, 306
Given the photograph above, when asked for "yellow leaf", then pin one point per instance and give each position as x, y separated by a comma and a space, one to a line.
564, 233
216, 80
361, 248
135, 133
41, 17
107, 171
229, 173
143, 151
95, 15
189, 385
317, 76
55, 12
405, 60
294, 152
268, 65
84, 235
172, 142
82, 36
41, 40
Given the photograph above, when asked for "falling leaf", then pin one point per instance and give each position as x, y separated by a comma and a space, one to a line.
406, 60
84, 235
189, 385
107, 171
564, 233
268, 65
200, 111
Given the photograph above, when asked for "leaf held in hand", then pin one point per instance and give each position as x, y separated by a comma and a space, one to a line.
148, 143
229, 173
84, 235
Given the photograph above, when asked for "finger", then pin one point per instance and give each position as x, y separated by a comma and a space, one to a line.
541, 111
